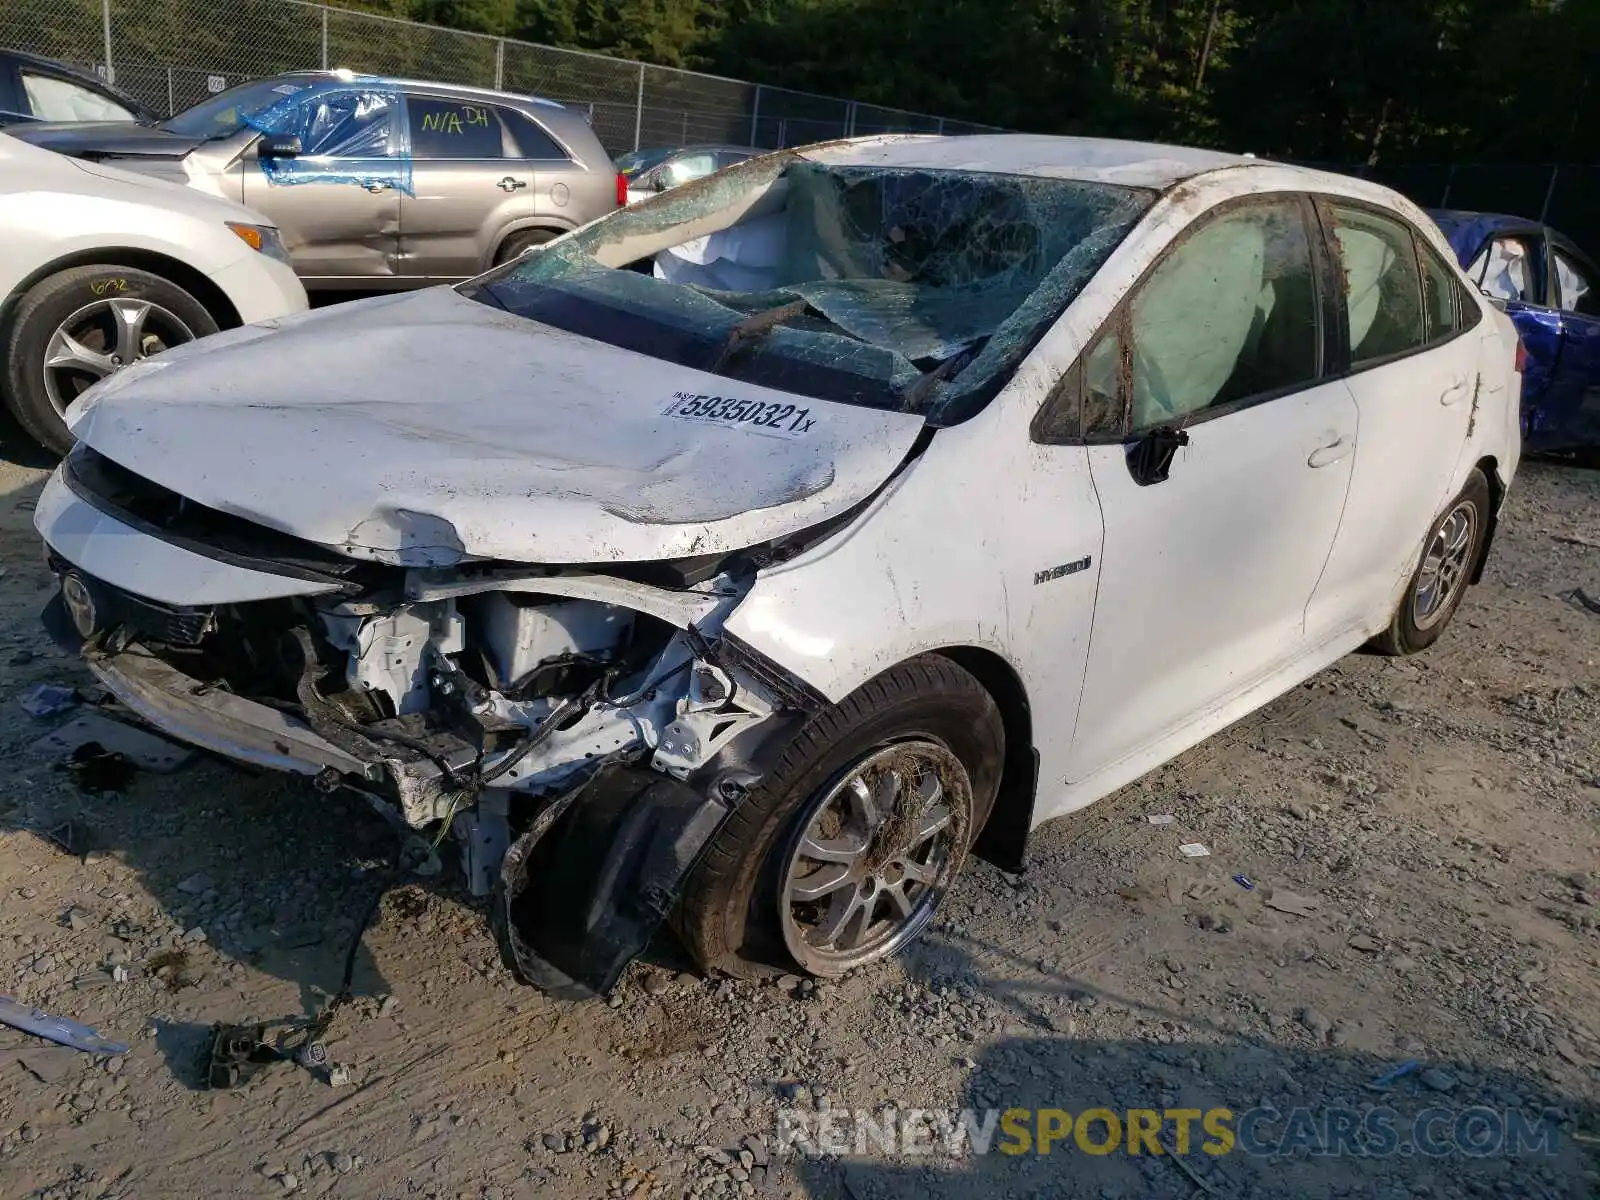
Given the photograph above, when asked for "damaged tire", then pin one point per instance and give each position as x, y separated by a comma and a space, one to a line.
1448, 558
843, 852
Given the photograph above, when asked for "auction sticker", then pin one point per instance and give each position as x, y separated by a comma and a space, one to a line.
770, 419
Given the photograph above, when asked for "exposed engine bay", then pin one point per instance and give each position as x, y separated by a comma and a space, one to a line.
481, 700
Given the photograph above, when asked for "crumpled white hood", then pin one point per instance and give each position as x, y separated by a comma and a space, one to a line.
425, 428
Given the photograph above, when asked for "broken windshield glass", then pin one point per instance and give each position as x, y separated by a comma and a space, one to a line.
912, 289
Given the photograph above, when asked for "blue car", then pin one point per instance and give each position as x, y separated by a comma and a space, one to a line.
1551, 289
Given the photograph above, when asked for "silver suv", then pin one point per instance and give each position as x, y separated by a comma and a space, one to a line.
374, 182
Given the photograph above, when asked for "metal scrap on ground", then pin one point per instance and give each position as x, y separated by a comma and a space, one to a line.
62, 1030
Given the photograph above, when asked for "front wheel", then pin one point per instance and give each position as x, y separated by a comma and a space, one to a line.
1442, 575
843, 853
79, 326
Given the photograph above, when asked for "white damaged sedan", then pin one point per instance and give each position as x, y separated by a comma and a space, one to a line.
747, 557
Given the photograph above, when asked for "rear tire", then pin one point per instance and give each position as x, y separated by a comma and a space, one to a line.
518, 244
1441, 577
87, 306
736, 915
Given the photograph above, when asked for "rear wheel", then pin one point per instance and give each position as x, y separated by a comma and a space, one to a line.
1441, 577
81, 325
519, 244
843, 853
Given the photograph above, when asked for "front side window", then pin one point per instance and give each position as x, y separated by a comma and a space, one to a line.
347, 135
54, 99
1506, 270
1229, 314
1382, 288
347, 124
1576, 289
913, 289
451, 129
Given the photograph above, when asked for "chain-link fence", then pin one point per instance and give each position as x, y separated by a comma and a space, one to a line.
173, 53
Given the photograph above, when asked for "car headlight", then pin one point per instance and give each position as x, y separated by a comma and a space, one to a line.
262, 238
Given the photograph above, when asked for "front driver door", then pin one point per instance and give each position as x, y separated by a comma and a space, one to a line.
1206, 574
338, 201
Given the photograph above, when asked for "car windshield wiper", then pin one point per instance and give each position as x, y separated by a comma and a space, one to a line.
911, 399
753, 328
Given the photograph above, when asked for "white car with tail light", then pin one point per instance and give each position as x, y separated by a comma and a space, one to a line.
101, 268
749, 556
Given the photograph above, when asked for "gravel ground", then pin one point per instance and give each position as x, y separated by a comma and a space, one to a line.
1421, 837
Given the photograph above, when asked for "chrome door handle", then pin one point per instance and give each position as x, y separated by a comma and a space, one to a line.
1326, 456
1456, 391
509, 184
377, 187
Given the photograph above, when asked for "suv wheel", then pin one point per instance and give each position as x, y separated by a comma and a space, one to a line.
519, 244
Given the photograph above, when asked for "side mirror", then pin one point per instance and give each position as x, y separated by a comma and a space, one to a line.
279, 146
658, 182
1150, 458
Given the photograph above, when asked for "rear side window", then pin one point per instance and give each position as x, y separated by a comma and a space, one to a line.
452, 129
529, 137
1440, 296
1383, 293
1577, 292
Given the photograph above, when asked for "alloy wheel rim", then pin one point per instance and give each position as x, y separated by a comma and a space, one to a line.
1444, 565
874, 855
102, 338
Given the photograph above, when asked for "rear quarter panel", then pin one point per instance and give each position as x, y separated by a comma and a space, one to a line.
1496, 430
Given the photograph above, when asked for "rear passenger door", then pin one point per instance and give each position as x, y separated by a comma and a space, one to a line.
468, 183
1572, 408
1405, 323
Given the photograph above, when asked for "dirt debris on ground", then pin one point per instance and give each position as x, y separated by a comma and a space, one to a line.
1402, 870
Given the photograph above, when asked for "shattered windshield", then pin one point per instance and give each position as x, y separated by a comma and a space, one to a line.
226, 113
902, 288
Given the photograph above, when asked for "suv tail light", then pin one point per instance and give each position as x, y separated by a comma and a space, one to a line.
622, 190
1522, 356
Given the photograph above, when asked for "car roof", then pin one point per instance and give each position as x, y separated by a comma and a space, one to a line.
433, 85
1101, 160
1468, 231
1488, 221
